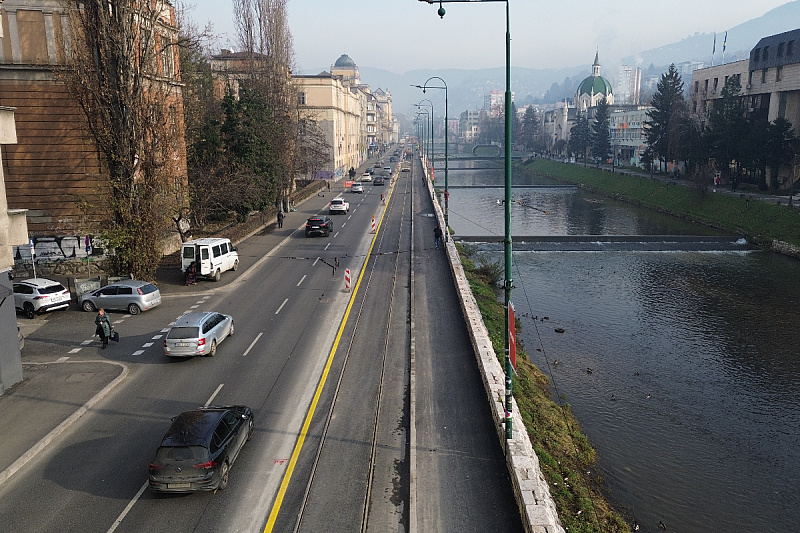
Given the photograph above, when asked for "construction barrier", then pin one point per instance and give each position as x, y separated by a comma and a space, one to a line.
347, 279
373, 224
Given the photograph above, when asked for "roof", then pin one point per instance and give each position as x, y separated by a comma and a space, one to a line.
783, 49
344, 61
595, 85
193, 428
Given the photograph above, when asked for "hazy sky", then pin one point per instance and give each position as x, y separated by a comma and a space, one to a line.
403, 35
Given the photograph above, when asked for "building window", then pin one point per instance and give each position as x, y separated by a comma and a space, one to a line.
696, 86
705, 89
778, 73
780, 49
790, 48
716, 83
750, 78
756, 55
765, 55
301, 98
763, 75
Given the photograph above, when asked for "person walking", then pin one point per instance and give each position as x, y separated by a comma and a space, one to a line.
437, 236
280, 219
103, 327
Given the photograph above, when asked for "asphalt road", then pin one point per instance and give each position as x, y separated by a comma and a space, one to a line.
293, 354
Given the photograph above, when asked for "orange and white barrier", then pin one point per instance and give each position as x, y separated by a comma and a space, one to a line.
347, 279
373, 224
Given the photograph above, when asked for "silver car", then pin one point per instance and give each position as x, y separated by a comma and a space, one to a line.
198, 333
128, 295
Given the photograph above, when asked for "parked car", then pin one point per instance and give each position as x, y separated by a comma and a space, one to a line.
199, 449
211, 257
129, 295
39, 295
198, 333
378, 181
319, 225
357, 187
366, 177
339, 205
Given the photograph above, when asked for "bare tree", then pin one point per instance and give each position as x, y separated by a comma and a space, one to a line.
123, 74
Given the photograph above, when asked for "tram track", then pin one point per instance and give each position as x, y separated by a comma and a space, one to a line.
396, 229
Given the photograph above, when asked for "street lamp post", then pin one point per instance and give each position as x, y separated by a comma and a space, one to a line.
424, 131
446, 139
430, 139
507, 239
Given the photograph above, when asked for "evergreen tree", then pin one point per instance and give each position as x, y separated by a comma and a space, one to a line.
666, 101
579, 136
530, 129
729, 127
781, 145
600, 137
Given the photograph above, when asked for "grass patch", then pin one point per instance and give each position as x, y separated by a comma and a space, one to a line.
565, 455
759, 222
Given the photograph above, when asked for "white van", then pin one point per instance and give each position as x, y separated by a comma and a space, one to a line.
211, 256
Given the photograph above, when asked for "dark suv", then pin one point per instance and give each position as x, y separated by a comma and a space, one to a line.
319, 225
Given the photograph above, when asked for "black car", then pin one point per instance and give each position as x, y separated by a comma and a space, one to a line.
378, 181
319, 225
199, 449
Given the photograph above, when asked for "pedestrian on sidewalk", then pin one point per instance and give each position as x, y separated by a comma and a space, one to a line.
437, 236
103, 327
280, 219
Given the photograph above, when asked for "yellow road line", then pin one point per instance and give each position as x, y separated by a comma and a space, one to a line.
276, 507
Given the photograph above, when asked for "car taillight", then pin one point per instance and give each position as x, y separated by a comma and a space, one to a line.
208, 464
154, 466
201, 342
39, 297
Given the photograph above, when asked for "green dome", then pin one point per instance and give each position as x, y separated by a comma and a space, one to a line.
595, 85
344, 61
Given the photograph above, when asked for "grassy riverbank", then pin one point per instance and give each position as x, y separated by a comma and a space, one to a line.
564, 452
761, 223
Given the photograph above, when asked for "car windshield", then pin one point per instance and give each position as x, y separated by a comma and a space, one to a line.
51, 289
184, 332
170, 454
147, 289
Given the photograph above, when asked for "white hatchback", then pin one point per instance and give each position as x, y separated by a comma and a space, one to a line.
366, 177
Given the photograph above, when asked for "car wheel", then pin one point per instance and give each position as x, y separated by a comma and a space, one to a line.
223, 476
250, 426
213, 350
236, 265
28, 308
133, 309
217, 275
230, 333
88, 306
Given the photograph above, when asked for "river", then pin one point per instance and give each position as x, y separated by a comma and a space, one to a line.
680, 361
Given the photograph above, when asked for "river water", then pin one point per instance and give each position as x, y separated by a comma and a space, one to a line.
680, 361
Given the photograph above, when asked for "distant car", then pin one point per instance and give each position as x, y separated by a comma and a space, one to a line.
378, 181
387, 169
366, 177
385, 173
129, 295
406, 168
319, 225
369, 170
357, 187
339, 205
393, 159
198, 333
199, 449
39, 295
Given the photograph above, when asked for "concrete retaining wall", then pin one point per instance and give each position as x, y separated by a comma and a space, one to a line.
537, 508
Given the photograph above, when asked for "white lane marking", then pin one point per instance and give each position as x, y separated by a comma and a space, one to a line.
138, 352
87, 342
344, 224
335, 234
281, 307
147, 345
301, 280
74, 350
156, 337
211, 399
167, 329
201, 301
326, 246
118, 321
247, 351
315, 262
62, 359
194, 307
127, 509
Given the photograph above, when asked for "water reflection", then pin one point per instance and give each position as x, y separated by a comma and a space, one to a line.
692, 402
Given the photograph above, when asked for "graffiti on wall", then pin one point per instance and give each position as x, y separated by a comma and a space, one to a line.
59, 248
